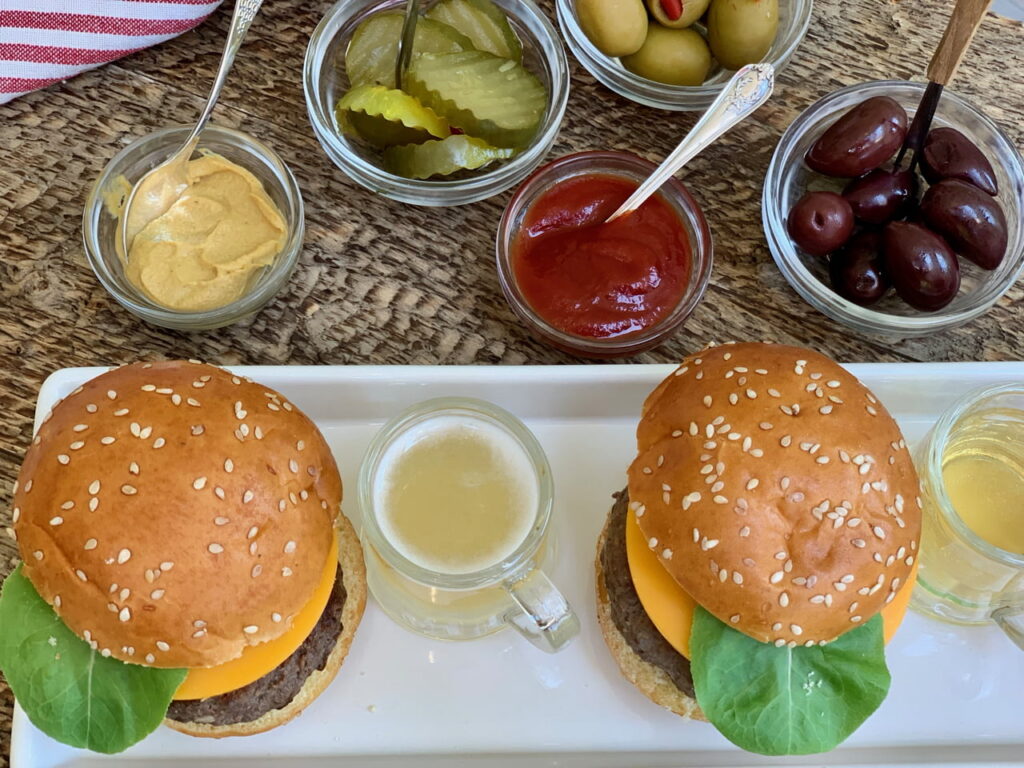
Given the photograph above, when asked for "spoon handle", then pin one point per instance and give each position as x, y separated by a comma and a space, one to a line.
406, 41
748, 89
241, 20
963, 23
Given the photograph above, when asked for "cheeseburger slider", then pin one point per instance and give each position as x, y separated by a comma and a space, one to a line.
185, 561
764, 549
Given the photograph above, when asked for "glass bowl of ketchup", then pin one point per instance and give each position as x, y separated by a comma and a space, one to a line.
601, 289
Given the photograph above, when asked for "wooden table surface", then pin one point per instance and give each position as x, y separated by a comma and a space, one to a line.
381, 282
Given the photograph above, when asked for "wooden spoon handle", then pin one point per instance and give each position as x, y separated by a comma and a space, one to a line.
963, 23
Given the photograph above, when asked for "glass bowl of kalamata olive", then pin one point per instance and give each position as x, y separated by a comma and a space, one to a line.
879, 248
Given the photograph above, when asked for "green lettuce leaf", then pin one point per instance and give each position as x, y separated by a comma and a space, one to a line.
787, 701
69, 691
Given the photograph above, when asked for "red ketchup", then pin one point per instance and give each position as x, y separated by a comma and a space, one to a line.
597, 280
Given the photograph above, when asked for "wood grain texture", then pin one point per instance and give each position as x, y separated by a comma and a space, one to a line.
967, 15
381, 282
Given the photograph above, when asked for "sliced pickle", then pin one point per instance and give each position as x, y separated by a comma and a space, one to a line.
440, 158
484, 95
385, 117
370, 58
481, 21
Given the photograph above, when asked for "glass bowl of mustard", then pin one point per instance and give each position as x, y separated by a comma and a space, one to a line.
217, 256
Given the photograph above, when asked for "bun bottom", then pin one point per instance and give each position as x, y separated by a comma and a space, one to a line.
652, 681
350, 556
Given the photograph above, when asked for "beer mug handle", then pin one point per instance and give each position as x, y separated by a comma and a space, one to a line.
1011, 620
541, 614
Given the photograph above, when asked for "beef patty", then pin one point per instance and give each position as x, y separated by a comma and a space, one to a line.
280, 685
626, 609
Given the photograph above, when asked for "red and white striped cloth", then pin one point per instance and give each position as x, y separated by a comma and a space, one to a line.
46, 41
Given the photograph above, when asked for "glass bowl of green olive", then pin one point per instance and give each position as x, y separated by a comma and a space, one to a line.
678, 54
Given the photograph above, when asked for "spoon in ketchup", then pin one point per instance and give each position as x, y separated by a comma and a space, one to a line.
748, 89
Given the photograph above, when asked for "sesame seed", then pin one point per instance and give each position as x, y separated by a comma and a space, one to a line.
693, 428
129, 490
133, 468
125, 593
737, 577
64, 458
752, 483
251, 629
275, 617
720, 500
94, 487
667, 554
91, 408
282, 504
877, 530
796, 629
707, 401
286, 571
784, 599
111, 394
199, 633
55, 521
723, 575
124, 556
779, 643
256, 571
68, 505
215, 548
125, 614
289, 547
229, 465
745, 531
159, 442
156, 594
855, 619
221, 520
161, 645
166, 566
652, 542
247, 497
776, 577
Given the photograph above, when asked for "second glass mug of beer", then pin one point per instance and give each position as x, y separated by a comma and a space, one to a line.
971, 568
456, 497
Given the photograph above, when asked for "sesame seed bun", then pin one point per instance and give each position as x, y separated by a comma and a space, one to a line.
350, 556
173, 514
777, 491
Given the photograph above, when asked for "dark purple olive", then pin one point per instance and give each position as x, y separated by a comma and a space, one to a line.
856, 270
861, 140
881, 195
921, 265
820, 222
969, 219
948, 154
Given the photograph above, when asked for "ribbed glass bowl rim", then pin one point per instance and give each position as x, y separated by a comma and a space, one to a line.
248, 304
597, 161
433, 192
817, 293
660, 95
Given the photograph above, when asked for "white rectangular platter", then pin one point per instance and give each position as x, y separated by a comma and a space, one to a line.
957, 695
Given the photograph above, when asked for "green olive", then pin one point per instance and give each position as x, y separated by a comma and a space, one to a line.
615, 27
685, 11
742, 31
672, 56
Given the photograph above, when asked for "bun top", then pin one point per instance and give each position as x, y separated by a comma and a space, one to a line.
173, 513
777, 491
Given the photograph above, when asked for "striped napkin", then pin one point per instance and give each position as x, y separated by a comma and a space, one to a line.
46, 41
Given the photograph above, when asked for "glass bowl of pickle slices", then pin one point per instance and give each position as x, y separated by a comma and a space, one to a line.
479, 106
